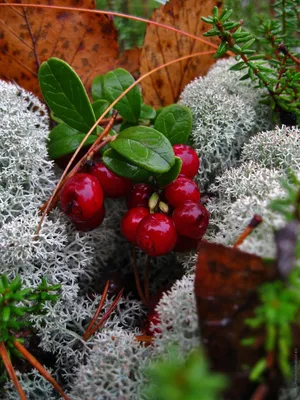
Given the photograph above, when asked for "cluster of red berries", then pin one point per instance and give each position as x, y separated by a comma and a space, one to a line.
156, 221
177, 222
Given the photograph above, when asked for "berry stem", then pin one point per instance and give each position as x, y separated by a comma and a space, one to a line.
98, 311
10, 370
136, 277
146, 279
34, 362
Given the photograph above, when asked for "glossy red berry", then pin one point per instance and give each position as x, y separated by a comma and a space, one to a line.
81, 197
181, 190
139, 195
156, 234
191, 219
190, 160
185, 243
151, 324
112, 184
92, 223
130, 222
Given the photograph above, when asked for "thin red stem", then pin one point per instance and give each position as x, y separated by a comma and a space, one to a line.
146, 279
34, 362
106, 315
98, 311
10, 370
136, 277
115, 14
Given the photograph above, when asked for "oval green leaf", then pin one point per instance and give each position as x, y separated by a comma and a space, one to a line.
65, 94
99, 106
171, 175
122, 167
115, 82
65, 140
147, 112
97, 88
175, 122
146, 148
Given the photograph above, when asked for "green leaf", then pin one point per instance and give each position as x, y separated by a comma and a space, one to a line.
238, 66
147, 112
145, 147
5, 314
225, 15
126, 125
99, 106
168, 177
65, 94
175, 122
65, 140
115, 82
97, 88
122, 167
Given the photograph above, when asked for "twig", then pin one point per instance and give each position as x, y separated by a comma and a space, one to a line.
255, 221
34, 362
105, 316
10, 370
98, 311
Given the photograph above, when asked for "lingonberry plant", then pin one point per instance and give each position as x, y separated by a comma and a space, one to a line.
144, 148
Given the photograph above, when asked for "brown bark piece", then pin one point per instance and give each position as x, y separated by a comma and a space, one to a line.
161, 45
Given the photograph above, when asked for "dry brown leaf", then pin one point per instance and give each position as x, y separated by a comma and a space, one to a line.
88, 42
226, 286
130, 60
162, 45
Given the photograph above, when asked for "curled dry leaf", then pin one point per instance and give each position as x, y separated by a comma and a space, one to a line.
88, 42
161, 46
226, 286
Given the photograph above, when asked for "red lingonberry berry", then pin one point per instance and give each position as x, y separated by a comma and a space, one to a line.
139, 195
81, 197
190, 160
112, 184
156, 234
91, 223
191, 219
152, 319
185, 243
130, 222
181, 190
